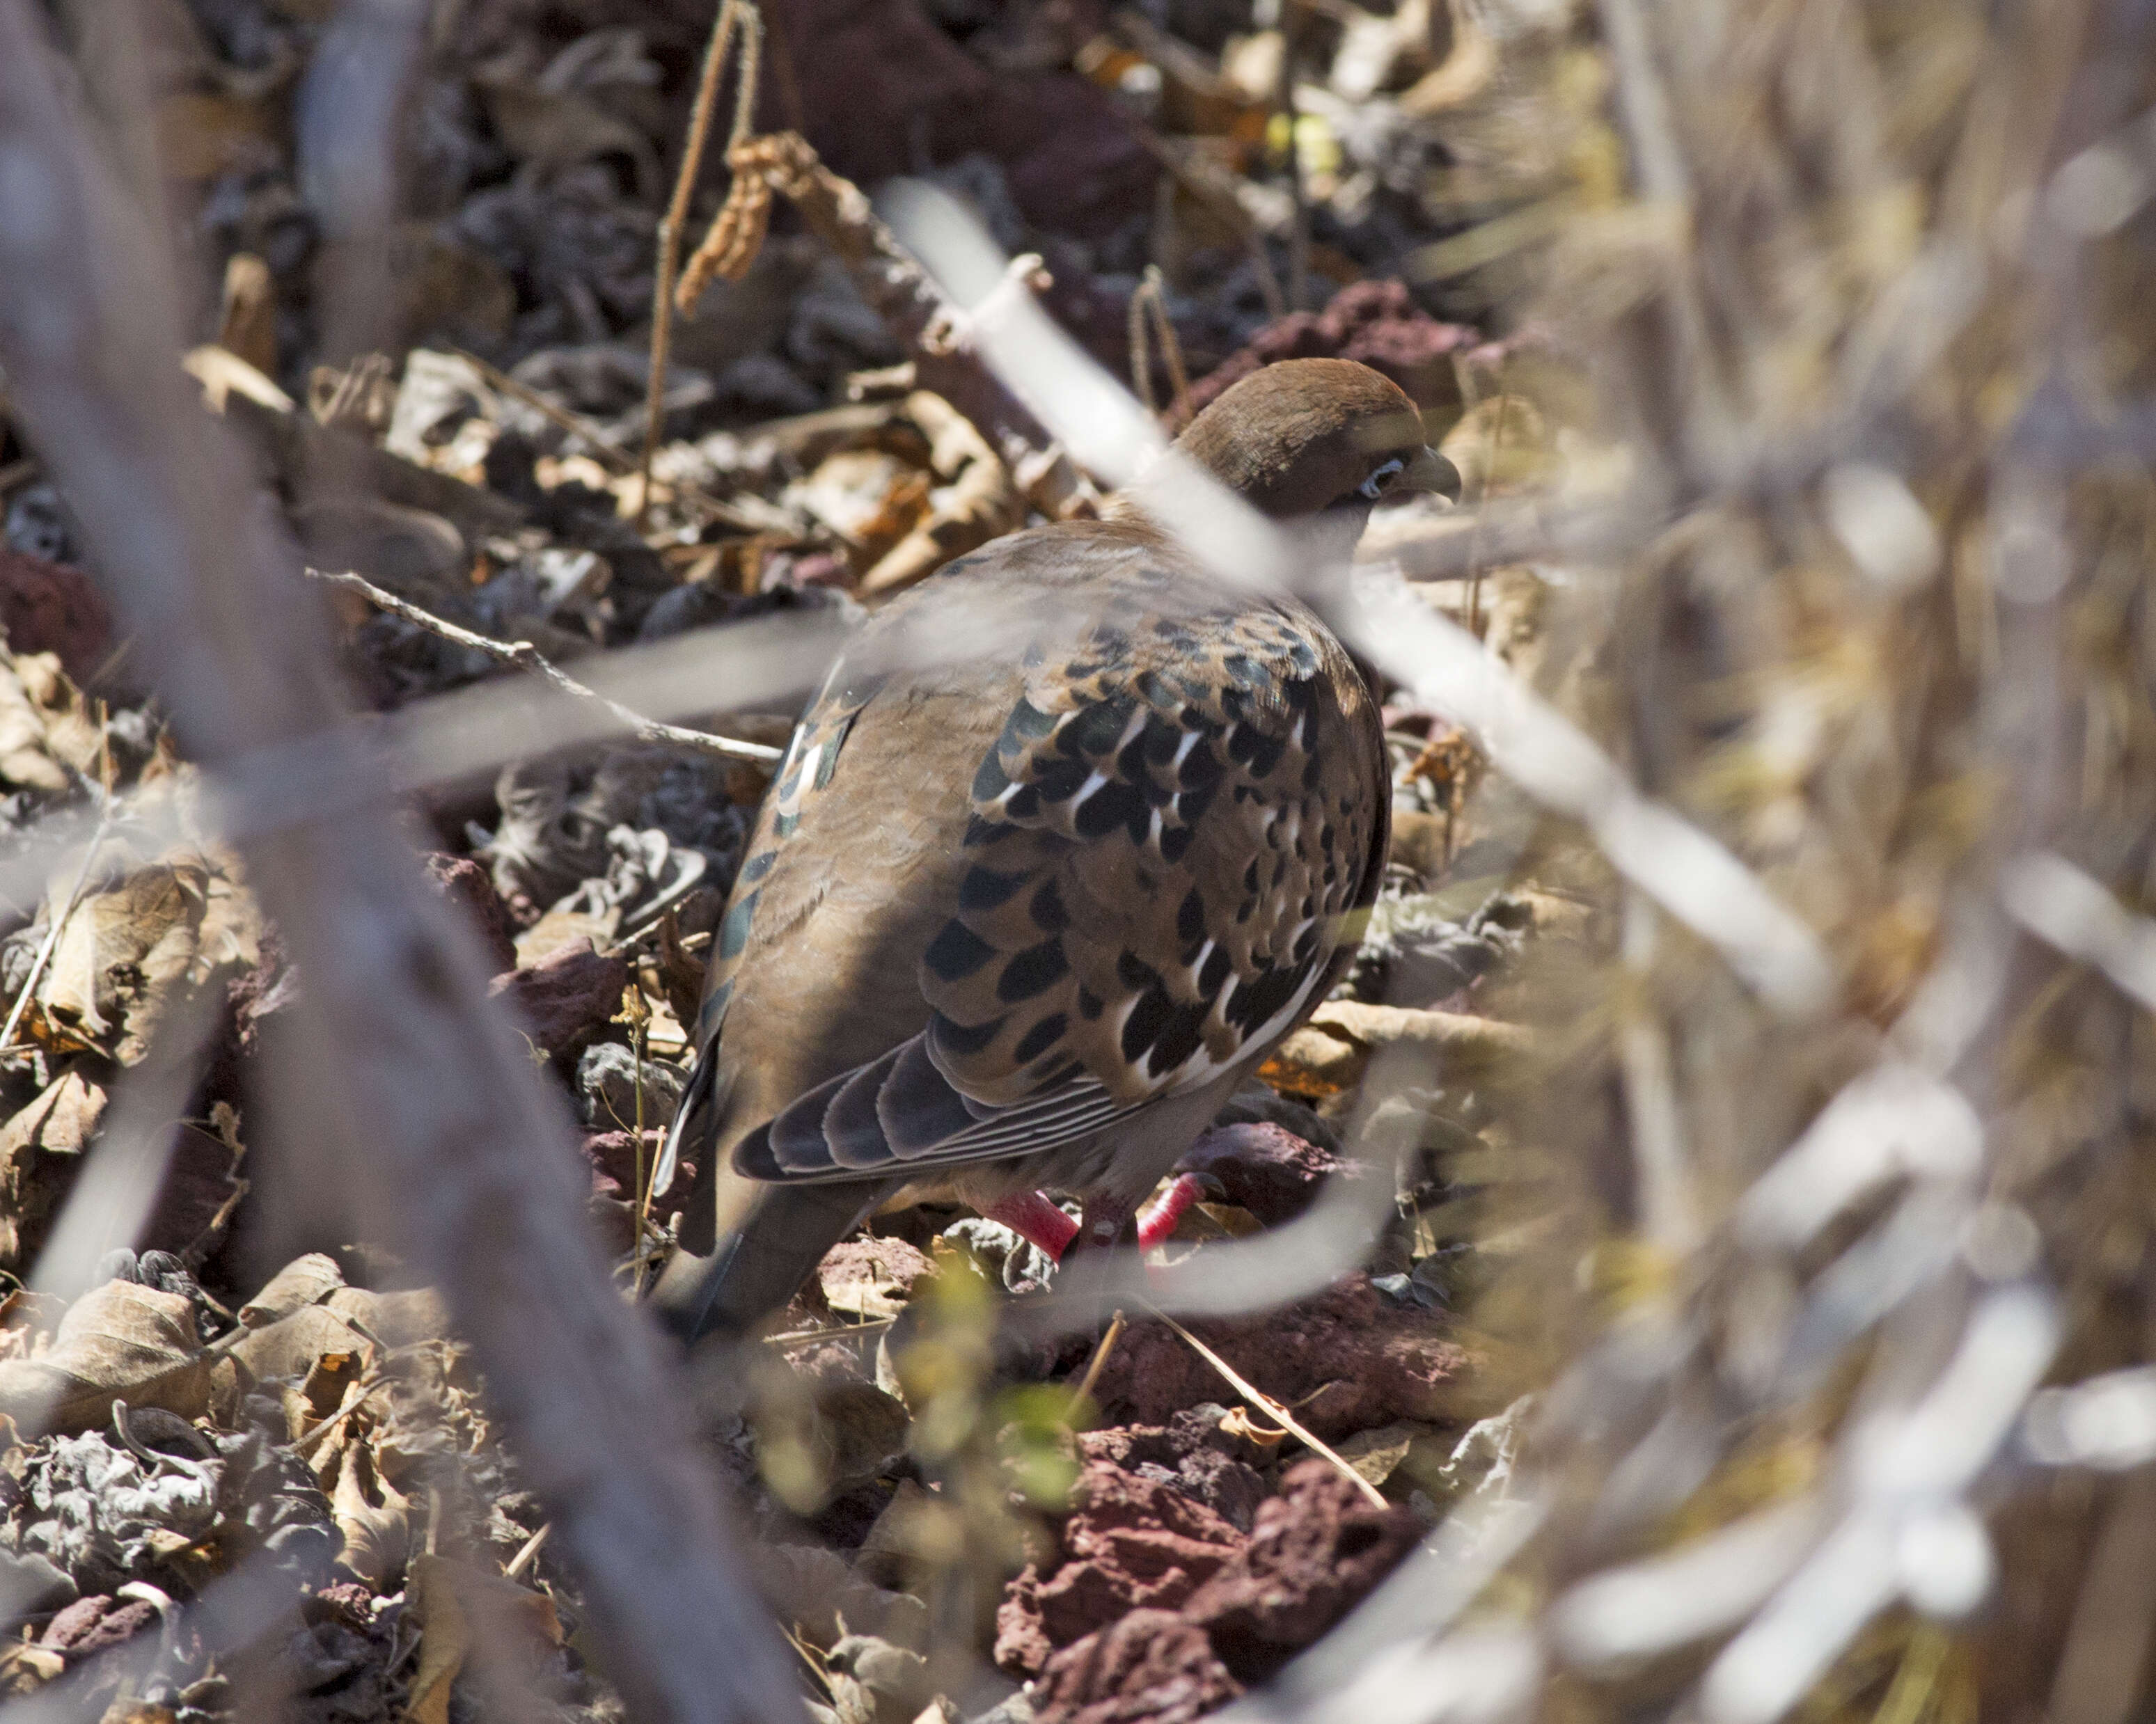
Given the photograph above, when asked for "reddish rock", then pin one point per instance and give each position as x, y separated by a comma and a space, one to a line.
613, 1163
50, 607
90, 1625
469, 886
880, 83
880, 1262
1376, 322
1193, 1454
1150, 1668
1264, 1168
1345, 1359
1318, 1549
1131, 1542
1022, 1645
566, 996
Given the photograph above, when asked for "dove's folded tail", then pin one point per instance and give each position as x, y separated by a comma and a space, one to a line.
770, 1240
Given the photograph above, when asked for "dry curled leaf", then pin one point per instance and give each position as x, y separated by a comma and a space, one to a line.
120, 955
374, 1515
300, 1282
1237, 1422
462, 1611
40, 1148
120, 1342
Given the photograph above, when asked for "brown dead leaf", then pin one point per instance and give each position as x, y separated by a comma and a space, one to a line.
460, 1609
231, 932
1238, 1423
23, 758
399, 1318
73, 736
117, 1341
1330, 1052
300, 1282
23, 1670
559, 129
872, 1278
120, 954
444, 1639
289, 1348
40, 1148
374, 1516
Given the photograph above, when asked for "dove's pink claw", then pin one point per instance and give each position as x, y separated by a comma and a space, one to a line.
1032, 1217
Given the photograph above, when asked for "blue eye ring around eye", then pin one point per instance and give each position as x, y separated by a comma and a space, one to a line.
1373, 487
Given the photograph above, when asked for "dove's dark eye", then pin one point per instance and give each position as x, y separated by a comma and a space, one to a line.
1373, 487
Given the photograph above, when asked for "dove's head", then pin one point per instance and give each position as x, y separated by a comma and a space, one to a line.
1317, 437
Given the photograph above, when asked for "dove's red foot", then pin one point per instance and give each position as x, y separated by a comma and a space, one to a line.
1157, 1220
1033, 1218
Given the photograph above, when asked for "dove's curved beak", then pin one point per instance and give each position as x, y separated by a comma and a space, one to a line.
1427, 470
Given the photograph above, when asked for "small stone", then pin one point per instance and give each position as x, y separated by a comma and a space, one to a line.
1152, 1667
1316, 1550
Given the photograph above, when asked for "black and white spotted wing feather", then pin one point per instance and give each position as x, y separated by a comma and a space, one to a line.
1164, 850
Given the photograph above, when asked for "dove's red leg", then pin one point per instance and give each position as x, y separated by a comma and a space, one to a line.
1032, 1217
1157, 1220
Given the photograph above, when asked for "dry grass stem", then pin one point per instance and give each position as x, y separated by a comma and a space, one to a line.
1273, 1410
523, 655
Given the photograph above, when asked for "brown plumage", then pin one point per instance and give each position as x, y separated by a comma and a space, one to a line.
1024, 921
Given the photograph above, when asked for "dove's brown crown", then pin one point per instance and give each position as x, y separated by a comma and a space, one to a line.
1304, 434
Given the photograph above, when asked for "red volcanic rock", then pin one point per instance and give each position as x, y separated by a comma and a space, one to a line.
1376, 322
50, 607
567, 995
1191, 1453
1264, 1168
1318, 1549
1150, 1668
1132, 1543
470, 888
90, 1625
880, 84
1345, 1359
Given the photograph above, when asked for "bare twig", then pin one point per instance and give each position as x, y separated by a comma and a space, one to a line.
528, 1553
1298, 239
1271, 1408
669, 234
523, 655
1150, 300
394, 1036
1093, 1366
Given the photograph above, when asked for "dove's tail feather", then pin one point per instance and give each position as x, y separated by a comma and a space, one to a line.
770, 1240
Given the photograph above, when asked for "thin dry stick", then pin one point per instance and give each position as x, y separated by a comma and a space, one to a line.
1271, 1408
670, 239
1151, 300
1298, 243
1100, 1357
524, 656
52, 934
529, 1554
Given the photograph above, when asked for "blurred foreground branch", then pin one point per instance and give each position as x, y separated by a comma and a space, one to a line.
412, 1082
